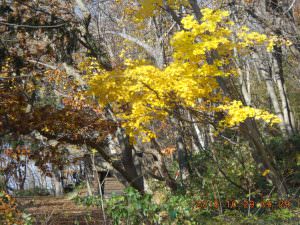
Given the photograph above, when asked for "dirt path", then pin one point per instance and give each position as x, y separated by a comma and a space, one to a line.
49, 210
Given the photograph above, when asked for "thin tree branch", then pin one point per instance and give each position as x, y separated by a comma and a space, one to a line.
290, 7
166, 33
33, 27
150, 50
43, 64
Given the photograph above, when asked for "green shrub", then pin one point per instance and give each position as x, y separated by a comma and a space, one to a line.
133, 208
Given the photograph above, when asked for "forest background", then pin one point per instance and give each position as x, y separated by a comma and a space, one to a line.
184, 100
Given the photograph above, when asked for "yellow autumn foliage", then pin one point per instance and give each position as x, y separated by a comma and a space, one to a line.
141, 93
148, 8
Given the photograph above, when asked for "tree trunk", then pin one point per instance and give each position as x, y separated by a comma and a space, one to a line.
128, 161
261, 157
279, 78
171, 183
266, 75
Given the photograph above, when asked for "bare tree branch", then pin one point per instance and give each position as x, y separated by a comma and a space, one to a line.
150, 50
31, 26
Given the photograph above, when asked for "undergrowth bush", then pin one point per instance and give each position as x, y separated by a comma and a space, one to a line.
134, 208
32, 192
9, 214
